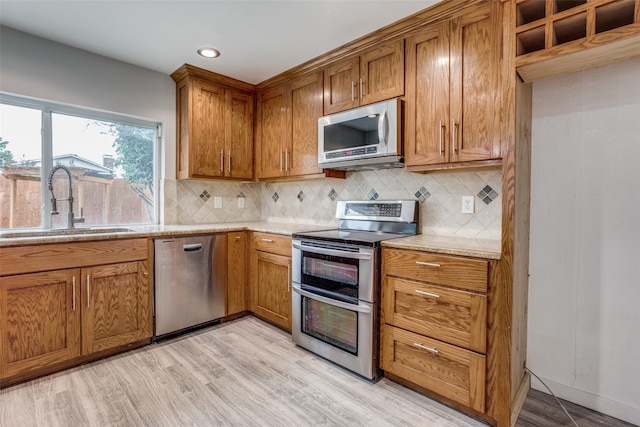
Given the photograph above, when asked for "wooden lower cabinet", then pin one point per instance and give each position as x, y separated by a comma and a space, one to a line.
56, 318
115, 306
434, 324
270, 276
39, 320
451, 315
447, 370
237, 247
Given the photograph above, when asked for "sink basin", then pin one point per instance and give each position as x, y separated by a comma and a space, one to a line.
60, 232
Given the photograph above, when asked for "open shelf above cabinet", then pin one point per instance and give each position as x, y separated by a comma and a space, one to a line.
555, 37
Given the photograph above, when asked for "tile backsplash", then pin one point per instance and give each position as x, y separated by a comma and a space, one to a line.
194, 201
314, 201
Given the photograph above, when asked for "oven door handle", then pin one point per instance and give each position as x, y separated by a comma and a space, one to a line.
340, 304
324, 251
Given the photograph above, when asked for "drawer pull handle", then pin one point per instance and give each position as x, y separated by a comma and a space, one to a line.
428, 264
267, 240
88, 289
73, 303
429, 294
424, 347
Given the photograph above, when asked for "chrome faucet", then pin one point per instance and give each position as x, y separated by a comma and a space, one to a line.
54, 207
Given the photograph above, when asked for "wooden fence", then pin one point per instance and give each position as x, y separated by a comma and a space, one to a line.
104, 201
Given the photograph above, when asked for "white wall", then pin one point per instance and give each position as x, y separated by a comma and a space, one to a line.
584, 290
39, 68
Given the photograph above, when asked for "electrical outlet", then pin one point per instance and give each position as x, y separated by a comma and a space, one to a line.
240, 202
217, 202
467, 204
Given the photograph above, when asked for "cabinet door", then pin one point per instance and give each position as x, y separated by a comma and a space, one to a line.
306, 109
271, 288
206, 145
39, 320
476, 46
238, 162
237, 246
341, 88
273, 133
382, 72
427, 100
115, 306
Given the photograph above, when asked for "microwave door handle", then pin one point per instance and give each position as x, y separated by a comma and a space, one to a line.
331, 301
383, 127
324, 251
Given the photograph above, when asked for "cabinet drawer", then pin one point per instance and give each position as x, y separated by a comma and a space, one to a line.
272, 243
470, 274
29, 259
448, 370
450, 315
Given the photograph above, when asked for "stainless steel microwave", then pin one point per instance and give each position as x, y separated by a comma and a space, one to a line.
367, 137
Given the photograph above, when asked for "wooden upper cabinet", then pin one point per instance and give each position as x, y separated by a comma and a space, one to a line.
382, 72
340, 81
427, 100
201, 136
214, 126
476, 90
287, 129
238, 134
374, 75
272, 132
453, 90
306, 108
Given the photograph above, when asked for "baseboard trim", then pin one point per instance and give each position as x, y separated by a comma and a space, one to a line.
589, 400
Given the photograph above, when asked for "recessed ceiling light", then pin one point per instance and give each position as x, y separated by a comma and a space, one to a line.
208, 52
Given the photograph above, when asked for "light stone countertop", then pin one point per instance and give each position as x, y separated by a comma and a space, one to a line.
452, 245
463, 246
144, 231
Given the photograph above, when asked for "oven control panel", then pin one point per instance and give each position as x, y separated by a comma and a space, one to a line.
392, 210
396, 211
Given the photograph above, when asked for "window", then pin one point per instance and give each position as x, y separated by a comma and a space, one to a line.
111, 158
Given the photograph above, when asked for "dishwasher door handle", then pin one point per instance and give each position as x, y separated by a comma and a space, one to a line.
195, 247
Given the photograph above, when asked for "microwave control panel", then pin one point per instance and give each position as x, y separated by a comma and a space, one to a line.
353, 152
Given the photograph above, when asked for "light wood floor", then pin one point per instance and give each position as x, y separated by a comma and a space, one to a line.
242, 373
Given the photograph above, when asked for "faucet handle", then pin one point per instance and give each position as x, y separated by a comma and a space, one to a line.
54, 206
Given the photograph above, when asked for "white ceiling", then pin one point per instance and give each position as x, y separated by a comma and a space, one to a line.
258, 39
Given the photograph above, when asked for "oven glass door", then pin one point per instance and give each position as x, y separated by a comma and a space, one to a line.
340, 272
330, 275
330, 324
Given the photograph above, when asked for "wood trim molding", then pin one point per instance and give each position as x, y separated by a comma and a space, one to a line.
437, 12
481, 164
188, 70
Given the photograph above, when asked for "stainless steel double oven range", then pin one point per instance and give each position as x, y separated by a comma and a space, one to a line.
336, 282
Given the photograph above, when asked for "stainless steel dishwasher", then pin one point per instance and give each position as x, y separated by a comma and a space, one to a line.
190, 275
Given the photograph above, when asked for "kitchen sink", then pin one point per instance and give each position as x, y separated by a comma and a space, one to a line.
60, 232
